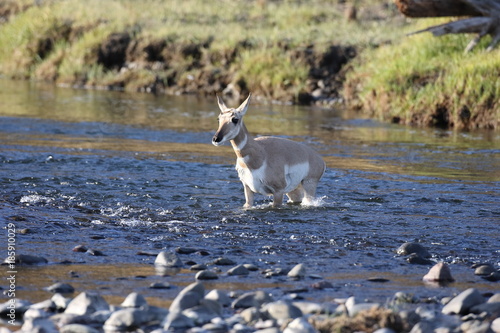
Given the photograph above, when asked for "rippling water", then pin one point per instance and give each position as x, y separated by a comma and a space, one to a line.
123, 173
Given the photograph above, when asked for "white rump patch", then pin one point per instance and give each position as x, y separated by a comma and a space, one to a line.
294, 175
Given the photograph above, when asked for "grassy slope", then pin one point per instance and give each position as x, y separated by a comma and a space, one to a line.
430, 81
258, 46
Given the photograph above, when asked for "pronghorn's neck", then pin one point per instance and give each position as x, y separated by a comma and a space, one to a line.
247, 149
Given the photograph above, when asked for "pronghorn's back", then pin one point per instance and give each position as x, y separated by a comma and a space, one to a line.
269, 165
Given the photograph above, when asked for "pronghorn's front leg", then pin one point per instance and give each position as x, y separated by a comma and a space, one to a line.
278, 199
248, 197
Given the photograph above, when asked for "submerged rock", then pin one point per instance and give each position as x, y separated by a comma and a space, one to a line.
409, 248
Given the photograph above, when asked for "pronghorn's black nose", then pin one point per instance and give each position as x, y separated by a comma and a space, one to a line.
216, 138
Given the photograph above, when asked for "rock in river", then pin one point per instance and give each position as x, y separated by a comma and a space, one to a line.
409, 248
86, 303
168, 259
439, 273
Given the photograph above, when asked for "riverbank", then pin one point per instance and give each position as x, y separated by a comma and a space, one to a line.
323, 53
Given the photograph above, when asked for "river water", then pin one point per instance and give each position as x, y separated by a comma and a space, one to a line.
134, 174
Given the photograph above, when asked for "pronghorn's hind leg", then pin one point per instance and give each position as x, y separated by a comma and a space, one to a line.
309, 186
277, 199
248, 197
296, 195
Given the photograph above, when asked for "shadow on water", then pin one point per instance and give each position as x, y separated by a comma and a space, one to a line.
129, 175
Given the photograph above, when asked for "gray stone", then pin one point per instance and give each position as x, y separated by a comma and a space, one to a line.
238, 270
47, 305
34, 313
20, 306
297, 272
494, 299
495, 325
384, 330
250, 299
440, 273
203, 313
492, 308
409, 248
250, 315
188, 297
126, 319
39, 325
198, 267
281, 310
423, 327
299, 325
134, 300
462, 303
475, 326
418, 260
86, 304
27, 259
178, 321
78, 328
219, 296
206, 275
168, 259
60, 301
63, 288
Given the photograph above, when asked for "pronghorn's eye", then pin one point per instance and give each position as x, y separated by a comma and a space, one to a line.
234, 120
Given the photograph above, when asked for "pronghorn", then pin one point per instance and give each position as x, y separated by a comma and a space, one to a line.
269, 165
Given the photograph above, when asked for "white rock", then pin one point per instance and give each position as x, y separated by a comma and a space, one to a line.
298, 271
299, 325
134, 300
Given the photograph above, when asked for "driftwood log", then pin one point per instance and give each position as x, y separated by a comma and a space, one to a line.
482, 17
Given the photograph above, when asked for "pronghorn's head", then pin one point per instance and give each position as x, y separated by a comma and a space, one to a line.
230, 121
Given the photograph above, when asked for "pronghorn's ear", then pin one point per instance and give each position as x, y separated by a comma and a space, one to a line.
222, 106
242, 109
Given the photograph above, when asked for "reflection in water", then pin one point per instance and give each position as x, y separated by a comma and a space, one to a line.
124, 173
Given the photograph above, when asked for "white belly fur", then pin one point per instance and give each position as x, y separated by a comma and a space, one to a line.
256, 179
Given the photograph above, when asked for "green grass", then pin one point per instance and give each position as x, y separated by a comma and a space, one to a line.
412, 79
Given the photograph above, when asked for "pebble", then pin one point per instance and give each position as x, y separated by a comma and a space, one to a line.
485, 269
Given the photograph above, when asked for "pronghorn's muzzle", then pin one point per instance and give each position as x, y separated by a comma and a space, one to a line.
216, 139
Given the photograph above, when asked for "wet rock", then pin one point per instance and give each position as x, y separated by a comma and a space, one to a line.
78, 328
493, 277
309, 307
198, 267
185, 250
94, 252
34, 313
322, 285
354, 307
80, 248
485, 269
418, 260
494, 299
252, 299
18, 305
278, 271
238, 270
492, 309
160, 285
409, 248
297, 272
281, 310
251, 267
403, 298
224, 262
206, 275
439, 273
134, 300
299, 325
26, 259
168, 259
46, 305
462, 303
188, 297
219, 296
62, 288
86, 303
495, 325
